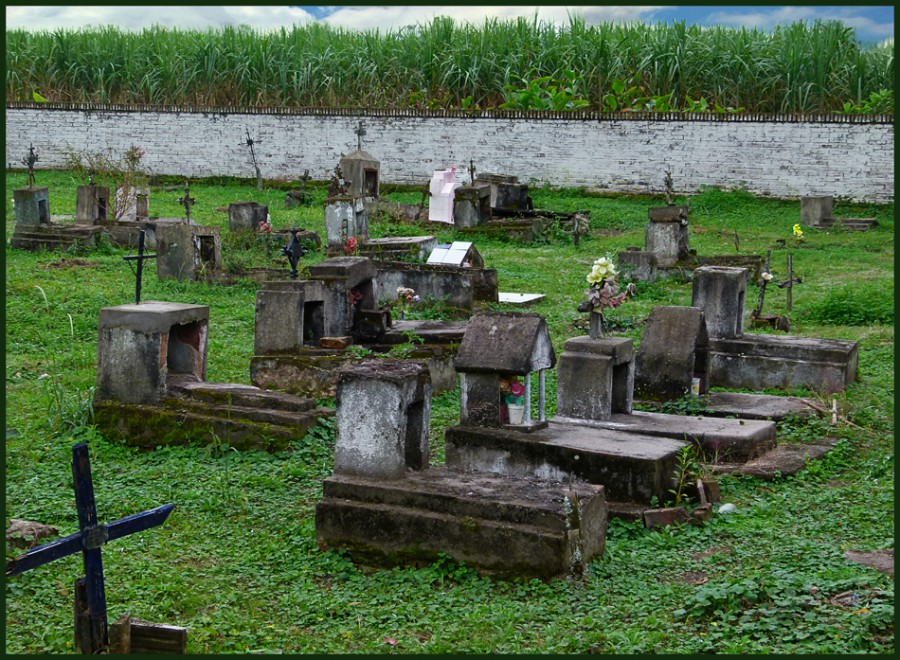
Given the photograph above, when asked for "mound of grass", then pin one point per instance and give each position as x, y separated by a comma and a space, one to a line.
854, 304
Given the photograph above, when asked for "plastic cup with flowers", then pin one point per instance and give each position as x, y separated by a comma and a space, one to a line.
798, 233
515, 402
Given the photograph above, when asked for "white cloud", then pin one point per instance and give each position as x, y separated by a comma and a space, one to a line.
361, 18
766, 20
384, 18
138, 17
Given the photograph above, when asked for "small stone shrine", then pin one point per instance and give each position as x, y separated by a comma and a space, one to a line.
152, 389
92, 205
595, 437
818, 212
133, 204
187, 251
34, 228
385, 505
305, 327
759, 361
361, 169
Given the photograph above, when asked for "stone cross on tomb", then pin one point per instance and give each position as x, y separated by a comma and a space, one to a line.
187, 201
668, 184
29, 161
360, 131
91, 626
472, 171
140, 257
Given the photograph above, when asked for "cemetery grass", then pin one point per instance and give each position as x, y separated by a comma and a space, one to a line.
237, 562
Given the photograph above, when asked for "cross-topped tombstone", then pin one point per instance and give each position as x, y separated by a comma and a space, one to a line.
140, 257
360, 131
187, 201
29, 161
91, 631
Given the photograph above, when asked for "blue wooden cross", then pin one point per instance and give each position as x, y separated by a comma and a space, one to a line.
88, 542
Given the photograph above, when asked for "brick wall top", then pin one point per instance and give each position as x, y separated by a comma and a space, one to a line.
585, 115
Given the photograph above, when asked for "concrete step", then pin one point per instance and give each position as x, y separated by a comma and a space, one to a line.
238, 414
500, 526
856, 224
173, 423
237, 395
633, 467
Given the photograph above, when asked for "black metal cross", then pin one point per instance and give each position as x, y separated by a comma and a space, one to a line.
360, 131
140, 257
88, 541
187, 201
293, 251
29, 161
472, 171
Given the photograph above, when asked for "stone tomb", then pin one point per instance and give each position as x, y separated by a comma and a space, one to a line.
246, 216
362, 171
187, 251
472, 205
386, 506
667, 252
598, 440
304, 328
34, 229
92, 205
818, 212
152, 389
507, 194
673, 355
758, 361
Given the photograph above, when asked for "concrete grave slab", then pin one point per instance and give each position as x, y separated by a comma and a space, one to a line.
784, 460
632, 467
501, 526
757, 406
728, 439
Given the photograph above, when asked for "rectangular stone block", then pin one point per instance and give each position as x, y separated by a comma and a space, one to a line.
632, 467
595, 377
92, 205
720, 292
762, 361
813, 210
668, 241
31, 206
508, 528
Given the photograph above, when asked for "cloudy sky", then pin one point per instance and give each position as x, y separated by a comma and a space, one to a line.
872, 23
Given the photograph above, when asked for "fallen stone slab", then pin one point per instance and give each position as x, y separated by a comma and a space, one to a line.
726, 440
501, 526
757, 406
880, 560
784, 460
519, 298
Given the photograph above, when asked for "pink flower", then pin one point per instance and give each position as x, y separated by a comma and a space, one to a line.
517, 389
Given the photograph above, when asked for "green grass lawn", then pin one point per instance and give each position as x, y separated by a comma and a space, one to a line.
237, 562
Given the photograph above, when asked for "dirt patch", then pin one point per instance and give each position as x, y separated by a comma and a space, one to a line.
880, 560
691, 577
71, 263
715, 550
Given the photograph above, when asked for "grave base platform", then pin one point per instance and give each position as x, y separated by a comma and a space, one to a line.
854, 224
501, 526
54, 237
729, 440
631, 466
312, 371
757, 362
757, 406
239, 416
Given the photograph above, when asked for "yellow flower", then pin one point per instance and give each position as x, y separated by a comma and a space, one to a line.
602, 269
798, 232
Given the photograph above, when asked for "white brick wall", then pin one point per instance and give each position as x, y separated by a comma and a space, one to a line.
788, 159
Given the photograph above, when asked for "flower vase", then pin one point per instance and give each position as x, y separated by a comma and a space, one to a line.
516, 413
595, 329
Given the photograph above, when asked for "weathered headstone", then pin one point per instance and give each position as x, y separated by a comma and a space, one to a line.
507, 194
32, 206
383, 413
666, 235
472, 205
187, 252
246, 216
595, 378
92, 205
132, 203
363, 173
721, 293
345, 218
638, 264
673, 352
